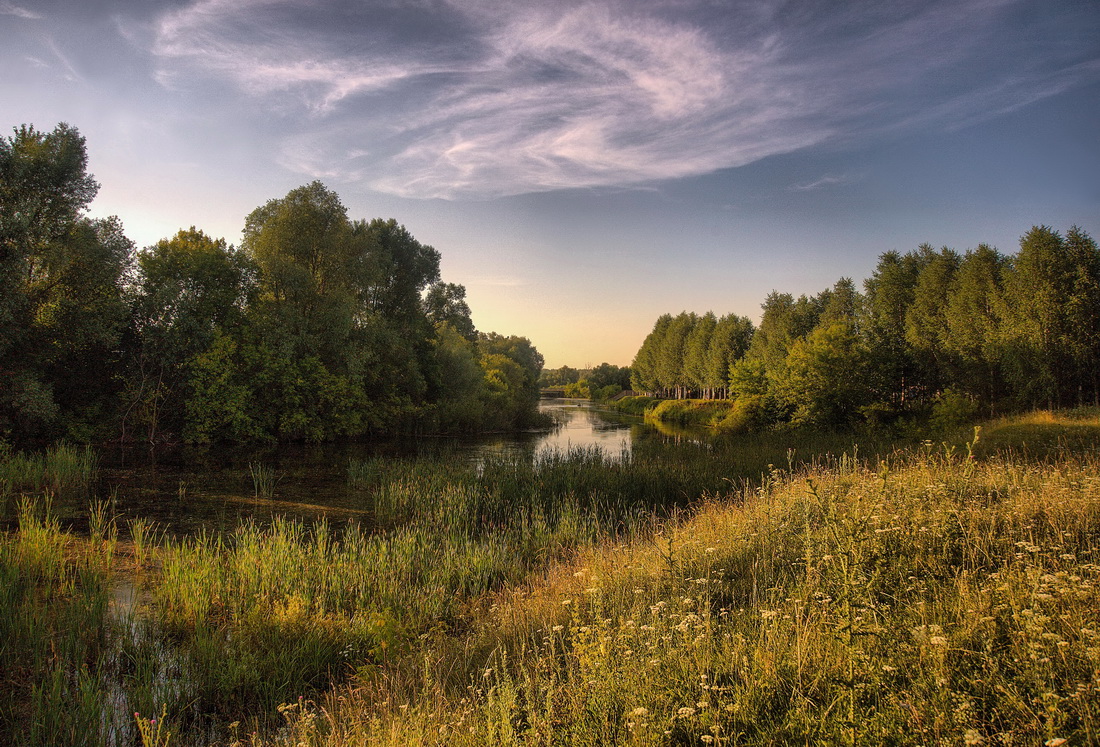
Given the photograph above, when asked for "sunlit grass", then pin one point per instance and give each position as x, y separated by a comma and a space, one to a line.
927, 599
738, 592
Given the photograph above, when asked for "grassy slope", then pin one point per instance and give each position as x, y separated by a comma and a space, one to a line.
927, 599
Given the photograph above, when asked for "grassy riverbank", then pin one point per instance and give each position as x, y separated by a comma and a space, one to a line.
913, 597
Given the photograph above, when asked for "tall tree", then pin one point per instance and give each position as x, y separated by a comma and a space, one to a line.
1033, 320
61, 274
696, 347
926, 329
1082, 311
189, 287
888, 294
643, 370
972, 334
670, 356
824, 382
731, 339
446, 302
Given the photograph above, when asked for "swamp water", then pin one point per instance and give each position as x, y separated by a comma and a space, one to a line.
187, 490
184, 492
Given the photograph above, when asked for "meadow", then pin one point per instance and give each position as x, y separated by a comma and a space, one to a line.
776, 590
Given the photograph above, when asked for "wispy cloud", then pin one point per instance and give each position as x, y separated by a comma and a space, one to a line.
824, 181
8, 9
482, 98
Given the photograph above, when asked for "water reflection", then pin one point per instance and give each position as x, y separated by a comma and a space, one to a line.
187, 489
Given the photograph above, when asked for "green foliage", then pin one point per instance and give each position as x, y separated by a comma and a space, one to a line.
61, 303
512, 367
931, 331
579, 389
192, 288
824, 380
557, 377
445, 303
952, 410
748, 414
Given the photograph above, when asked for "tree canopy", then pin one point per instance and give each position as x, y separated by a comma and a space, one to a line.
932, 329
317, 327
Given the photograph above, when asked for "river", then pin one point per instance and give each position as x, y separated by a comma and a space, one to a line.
186, 489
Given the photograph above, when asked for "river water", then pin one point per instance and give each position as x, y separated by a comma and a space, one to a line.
187, 489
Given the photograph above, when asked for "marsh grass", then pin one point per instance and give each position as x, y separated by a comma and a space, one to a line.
64, 471
927, 598
53, 603
264, 479
735, 592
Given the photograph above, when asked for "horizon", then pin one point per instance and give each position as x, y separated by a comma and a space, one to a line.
585, 167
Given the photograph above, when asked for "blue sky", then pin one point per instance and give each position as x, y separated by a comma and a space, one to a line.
585, 166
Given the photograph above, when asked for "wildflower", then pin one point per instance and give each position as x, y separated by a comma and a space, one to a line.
706, 739
557, 628
938, 640
972, 736
685, 712
640, 711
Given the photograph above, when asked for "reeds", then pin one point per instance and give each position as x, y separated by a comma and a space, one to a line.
64, 471
924, 599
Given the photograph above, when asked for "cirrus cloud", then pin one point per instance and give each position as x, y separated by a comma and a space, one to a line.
488, 98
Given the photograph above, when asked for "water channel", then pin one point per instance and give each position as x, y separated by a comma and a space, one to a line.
186, 489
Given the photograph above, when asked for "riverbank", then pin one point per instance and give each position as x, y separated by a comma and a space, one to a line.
841, 595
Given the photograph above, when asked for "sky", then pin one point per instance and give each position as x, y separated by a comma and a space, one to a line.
585, 166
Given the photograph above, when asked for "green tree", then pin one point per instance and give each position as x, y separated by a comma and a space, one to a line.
189, 287
926, 330
696, 349
512, 367
669, 356
729, 343
446, 302
841, 303
972, 331
61, 303
643, 370
463, 395
896, 376
1082, 309
824, 381
1033, 320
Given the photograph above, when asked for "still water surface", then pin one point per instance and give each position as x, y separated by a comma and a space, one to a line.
187, 489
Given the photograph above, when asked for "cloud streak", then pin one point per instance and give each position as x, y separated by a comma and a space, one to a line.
484, 99
8, 9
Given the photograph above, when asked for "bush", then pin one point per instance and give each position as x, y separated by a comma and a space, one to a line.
951, 410
748, 413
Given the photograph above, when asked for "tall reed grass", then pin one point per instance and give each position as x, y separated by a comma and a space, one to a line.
928, 598
63, 470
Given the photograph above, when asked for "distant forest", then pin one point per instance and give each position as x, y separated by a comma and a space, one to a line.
934, 332
316, 327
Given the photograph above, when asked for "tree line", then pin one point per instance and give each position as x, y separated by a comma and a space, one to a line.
600, 382
932, 332
316, 327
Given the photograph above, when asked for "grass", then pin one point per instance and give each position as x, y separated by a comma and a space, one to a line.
927, 599
734, 592
52, 627
64, 471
